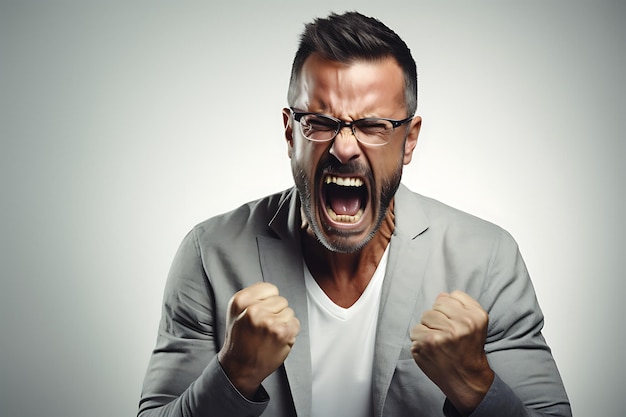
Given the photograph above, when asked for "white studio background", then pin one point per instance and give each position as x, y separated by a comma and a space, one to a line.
123, 124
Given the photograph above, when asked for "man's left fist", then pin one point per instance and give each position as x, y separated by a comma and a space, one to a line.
449, 346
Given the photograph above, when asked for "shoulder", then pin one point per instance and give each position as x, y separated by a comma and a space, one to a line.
434, 213
250, 219
441, 221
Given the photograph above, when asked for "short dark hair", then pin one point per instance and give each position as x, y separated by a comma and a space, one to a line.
349, 37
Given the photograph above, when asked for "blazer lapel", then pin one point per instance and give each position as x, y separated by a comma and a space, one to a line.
408, 256
282, 264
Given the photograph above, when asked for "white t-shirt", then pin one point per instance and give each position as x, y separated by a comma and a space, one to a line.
342, 348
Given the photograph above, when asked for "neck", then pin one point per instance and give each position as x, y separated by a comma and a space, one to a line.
344, 276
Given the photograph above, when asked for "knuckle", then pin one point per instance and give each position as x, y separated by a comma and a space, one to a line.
281, 302
255, 313
280, 331
469, 323
483, 316
477, 320
269, 288
267, 322
457, 293
261, 323
431, 341
427, 315
237, 303
296, 325
287, 330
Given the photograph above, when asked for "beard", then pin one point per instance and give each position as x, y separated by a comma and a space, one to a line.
336, 240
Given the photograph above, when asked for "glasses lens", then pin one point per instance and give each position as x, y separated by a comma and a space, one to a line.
321, 128
318, 127
373, 131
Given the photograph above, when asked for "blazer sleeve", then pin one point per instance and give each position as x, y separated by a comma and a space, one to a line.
527, 381
184, 377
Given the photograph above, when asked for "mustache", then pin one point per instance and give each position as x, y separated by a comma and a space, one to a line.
352, 168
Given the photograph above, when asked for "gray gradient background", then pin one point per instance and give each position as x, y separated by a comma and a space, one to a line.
123, 124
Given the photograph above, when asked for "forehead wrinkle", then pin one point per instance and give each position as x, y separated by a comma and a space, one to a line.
355, 90
349, 97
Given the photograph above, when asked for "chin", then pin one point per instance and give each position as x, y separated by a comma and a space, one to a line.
343, 237
343, 244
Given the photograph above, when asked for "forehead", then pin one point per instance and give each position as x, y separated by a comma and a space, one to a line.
375, 87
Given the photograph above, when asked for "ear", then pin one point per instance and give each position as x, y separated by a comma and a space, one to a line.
288, 130
411, 139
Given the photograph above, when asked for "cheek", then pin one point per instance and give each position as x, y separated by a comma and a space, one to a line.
304, 155
386, 165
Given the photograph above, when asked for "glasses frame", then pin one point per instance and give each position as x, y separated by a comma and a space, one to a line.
298, 115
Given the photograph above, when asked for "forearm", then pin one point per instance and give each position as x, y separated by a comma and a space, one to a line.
502, 401
210, 395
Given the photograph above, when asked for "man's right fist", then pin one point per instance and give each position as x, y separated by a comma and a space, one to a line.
260, 331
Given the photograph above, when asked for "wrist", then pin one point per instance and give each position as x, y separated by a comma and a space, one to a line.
242, 380
469, 397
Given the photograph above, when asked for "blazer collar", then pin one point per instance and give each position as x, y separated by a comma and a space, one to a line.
408, 256
410, 218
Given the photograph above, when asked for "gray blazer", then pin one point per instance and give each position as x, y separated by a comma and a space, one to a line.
434, 248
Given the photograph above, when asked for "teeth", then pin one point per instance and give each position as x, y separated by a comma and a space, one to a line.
344, 182
344, 218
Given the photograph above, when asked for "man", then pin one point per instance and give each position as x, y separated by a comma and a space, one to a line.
349, 295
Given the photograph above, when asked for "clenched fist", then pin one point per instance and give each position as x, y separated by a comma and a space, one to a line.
448, 345
260, 331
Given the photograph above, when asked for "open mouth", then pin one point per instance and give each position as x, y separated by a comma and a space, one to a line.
345, 198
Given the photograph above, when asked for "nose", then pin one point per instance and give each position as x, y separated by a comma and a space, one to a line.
345, 146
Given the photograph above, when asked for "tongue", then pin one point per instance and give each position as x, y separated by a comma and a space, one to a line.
344, 200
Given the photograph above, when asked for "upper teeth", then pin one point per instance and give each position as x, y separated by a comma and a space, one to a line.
345, 182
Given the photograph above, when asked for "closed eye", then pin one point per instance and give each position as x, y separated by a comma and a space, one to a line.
374, 127
319, 123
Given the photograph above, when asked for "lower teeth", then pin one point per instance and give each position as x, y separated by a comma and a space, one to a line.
344, 218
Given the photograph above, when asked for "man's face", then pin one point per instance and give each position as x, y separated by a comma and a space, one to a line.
346, 186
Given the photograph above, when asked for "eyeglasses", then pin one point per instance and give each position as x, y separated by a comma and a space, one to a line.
374, 131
